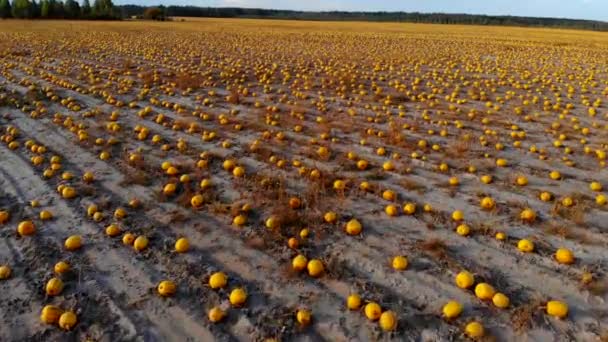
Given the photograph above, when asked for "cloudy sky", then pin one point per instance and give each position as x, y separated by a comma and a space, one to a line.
579, 9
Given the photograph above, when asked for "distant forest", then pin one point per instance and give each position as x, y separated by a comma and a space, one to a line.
106, 10
414, 17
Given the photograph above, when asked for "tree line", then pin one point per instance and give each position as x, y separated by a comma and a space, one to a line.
413, 17
57, 9
104, 9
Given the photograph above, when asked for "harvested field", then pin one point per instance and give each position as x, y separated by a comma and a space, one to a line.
301, 160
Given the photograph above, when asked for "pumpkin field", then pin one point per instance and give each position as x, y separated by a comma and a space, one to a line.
268, 180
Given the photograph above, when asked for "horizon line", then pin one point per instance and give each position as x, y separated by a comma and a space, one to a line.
374, 11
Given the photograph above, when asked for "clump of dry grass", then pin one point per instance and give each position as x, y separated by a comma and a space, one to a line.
568, 232
177, 216
459, 149
286, 216
598, 287
522, 318
255, 242
234, 97
433, 246
218, 207
134, 176
412, 185
575, 213
87, 190
437, 249
377, 175
185, 80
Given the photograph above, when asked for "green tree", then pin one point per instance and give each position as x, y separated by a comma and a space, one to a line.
97, 8
103, 8
5, 9
58, 10
52, 5
35, 9
72, 9
22, 9
153, 13
45, 8
86, 8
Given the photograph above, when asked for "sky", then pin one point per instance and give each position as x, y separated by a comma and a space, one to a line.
576, 9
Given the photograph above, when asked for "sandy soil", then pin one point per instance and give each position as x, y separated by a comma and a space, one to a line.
332, 80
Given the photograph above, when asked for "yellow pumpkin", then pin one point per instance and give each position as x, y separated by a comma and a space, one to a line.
315, 268
140, 243
26, 228
54, 287
373, 311
182, 245
166, 288
353, 227
388, 321
238, 297
218, 280
73, 242
50, 314
353, 302
67, 320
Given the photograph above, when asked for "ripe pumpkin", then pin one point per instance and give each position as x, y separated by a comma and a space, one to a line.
299, 263
218, 280
239, 220
457, 215
391, 210
303, 317
67, 320
373, 311
140, 243
528, 215
400, 263
388, 321
46, 215
409, 208
128, 239
112, 230
166, 288
487, 203
61, 267
26, 228
484, 291
353, 302
73, 242
238, 297
557, 309
564, 256
474, 330
330, 217
216, 315
315, 268
50, 314
525, 246
182, 245
500, 300
196, 201
464, 280
294, 203
463, 230
452, 309
4, 216
68, 192
54, 287
5, 272
353, 227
